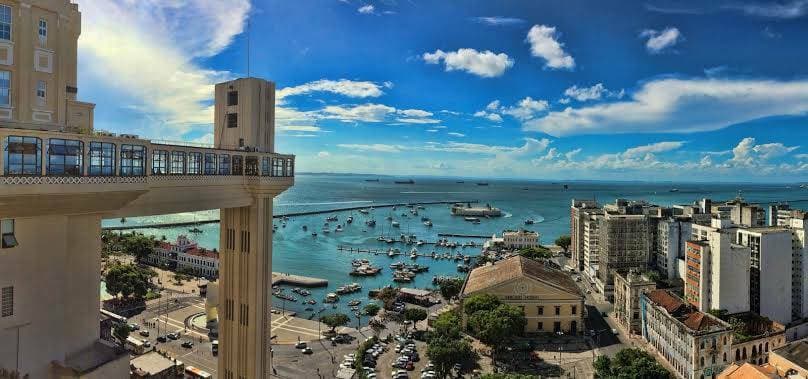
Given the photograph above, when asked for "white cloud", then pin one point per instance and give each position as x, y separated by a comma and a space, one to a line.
595, 92
498, 20
679, 106
323, 154
527, 108
345, 87
364, 112
376, 147
456, 134
367, 9
532, 146
749, 153
659, 40
492, 106
490, 116
658, 147
410, 120
432, 130
298, 128
415, 113
786, 9
439, 127
485, 64
120, 40
544, 44
572, 153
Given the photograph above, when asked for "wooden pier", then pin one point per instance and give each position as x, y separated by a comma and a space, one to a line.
297, 280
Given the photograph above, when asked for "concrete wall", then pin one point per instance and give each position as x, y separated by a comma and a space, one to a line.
775, 276
730, 274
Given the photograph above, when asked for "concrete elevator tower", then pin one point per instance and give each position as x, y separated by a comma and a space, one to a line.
245, 120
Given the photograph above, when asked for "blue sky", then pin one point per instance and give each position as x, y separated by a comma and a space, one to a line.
651, 90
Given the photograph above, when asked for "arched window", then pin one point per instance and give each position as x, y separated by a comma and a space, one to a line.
23, 156
743, 355
767, 346
701, 362
754, 351
725, 357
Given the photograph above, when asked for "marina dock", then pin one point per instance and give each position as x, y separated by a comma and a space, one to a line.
297, 280
292, 214
461, 235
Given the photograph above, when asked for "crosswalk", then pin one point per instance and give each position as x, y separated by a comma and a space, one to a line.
283, 324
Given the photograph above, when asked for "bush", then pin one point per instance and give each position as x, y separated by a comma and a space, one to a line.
630, 364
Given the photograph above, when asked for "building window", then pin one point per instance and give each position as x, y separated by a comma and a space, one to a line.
557, 310
238, 165
159, 162
5, 22
64, 157
5, 87
210, 164
177, 162
540, 310
277, 167
232, 120
7, 300
23, 156
9, 240
133, 160
540, 327
224, 164
251, 166
266, 167
556, 326
102, 159
43, 32
574, 309
41, 92
232, 98
289, 167
195, 163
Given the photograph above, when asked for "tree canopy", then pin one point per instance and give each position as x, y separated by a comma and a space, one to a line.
508, 376
121, 332
498, 326
445, 352
334, 320
371, 309
630, 363
129, 280
480, 302
537, 252
564, 242
447, 324
388, 296
415, 314
450, 288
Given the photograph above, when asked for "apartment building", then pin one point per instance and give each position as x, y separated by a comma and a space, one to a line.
740, 212
623, 244
715, 269
518, 239
770, 276
628, 287
578, 214
696, 344
58, 174
672, 235
591, 251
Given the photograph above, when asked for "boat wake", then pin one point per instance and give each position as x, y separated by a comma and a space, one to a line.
507, 215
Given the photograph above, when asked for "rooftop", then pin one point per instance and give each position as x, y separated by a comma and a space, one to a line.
749, 371
152, 363
796, 352
515, 267
690, 317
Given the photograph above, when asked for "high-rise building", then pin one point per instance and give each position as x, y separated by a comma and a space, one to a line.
770, 276
628, 287
59, 178
672, 234
623, 244
590, 240
578, 214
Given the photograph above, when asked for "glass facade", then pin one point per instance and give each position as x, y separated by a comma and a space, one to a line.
238, 165
177, 162
133, 160
23, 156
266, 166
210, 164
224, 164
251, 166
102, 159
195, 163
277, 167
65, 157
5, 22
159, 162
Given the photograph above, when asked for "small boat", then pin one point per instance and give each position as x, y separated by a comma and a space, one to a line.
311, 302
459, 182
395, 224
413, 253
566, 186
390, 253
370, 223
482, 183
529, 221
195, 230
349, 220
354, 302
462, 268
338, 229
428, 223
674, 190
408, 181
305, 228
326, 230
363, 211
372, 180
471, 219
314, 234
389, 240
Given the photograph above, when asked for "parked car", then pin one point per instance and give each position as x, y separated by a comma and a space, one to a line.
173, 336
188, 344
144, 333
307, 350
133, 327
300, 345
161, 339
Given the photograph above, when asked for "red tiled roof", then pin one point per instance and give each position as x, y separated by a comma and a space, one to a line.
665, 300
202, 253
514, 267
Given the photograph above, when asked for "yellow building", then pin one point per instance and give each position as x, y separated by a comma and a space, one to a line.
549, 298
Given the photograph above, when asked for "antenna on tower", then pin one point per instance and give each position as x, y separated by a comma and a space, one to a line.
248, 45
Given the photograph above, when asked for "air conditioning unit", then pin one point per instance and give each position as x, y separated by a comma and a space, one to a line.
132, 136
104, 133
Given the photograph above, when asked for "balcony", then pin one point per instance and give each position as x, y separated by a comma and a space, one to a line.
64, 173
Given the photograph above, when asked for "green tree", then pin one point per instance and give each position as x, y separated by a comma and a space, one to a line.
445, 352
537, 252
450, 288
138, 245
447, 324
334, 320
497, 327
388, 296
508, 376
564, 242
479, 302
630, 364
371, 309
121, 332
129, 280
415, 315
